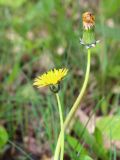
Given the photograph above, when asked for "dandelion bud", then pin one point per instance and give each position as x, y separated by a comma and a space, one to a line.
88, 39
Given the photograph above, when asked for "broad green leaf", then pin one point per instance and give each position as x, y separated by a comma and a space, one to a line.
3, 137
110, 126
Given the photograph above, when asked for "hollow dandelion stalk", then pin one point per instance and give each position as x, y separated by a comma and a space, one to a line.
62, 131
75, 105
88, 40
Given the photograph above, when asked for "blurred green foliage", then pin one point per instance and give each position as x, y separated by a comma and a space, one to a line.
37, 35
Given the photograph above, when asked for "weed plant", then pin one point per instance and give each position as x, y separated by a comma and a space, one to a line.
36, 36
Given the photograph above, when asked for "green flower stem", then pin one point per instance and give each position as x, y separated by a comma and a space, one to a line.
75, 106
62, 132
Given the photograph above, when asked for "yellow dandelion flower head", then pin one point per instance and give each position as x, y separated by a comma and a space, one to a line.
51, 77
88, 20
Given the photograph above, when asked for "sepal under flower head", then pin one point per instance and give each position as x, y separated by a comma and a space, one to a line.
55, 88
88, 46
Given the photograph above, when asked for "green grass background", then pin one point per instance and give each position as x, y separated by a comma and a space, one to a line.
37, 35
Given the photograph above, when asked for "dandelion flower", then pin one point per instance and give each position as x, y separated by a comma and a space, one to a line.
52, 77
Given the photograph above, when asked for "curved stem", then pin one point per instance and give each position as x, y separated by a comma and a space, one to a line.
76, 104
62, 132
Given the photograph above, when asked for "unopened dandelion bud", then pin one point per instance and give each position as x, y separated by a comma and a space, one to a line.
88, 39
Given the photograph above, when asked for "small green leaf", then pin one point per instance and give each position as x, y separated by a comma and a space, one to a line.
104, 107
99, 139
98, 136
76, 145
3, 137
